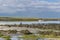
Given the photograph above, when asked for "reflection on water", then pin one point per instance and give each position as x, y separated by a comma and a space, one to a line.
26, 22
13, 38
17, 22
16, 38
2, 39
43, 39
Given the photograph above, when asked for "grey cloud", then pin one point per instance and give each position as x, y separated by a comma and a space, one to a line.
13, 6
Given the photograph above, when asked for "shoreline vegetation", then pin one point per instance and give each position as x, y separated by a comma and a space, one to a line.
35, 30
27, 19
30, 30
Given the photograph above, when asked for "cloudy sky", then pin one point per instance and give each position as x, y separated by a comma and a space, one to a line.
30, 8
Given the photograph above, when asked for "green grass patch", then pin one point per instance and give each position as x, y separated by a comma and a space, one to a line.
40, 36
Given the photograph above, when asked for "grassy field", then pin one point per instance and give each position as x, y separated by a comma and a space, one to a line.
17, 19
42, 37
27, 19
34, 37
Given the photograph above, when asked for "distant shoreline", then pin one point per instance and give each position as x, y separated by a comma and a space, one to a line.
27, 19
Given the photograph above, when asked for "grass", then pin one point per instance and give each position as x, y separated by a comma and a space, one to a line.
1, 35
27, 19
35, 37
32, 37
17, 19
40, 36
6, 37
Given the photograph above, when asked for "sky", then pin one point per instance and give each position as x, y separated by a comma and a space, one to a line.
30, 8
